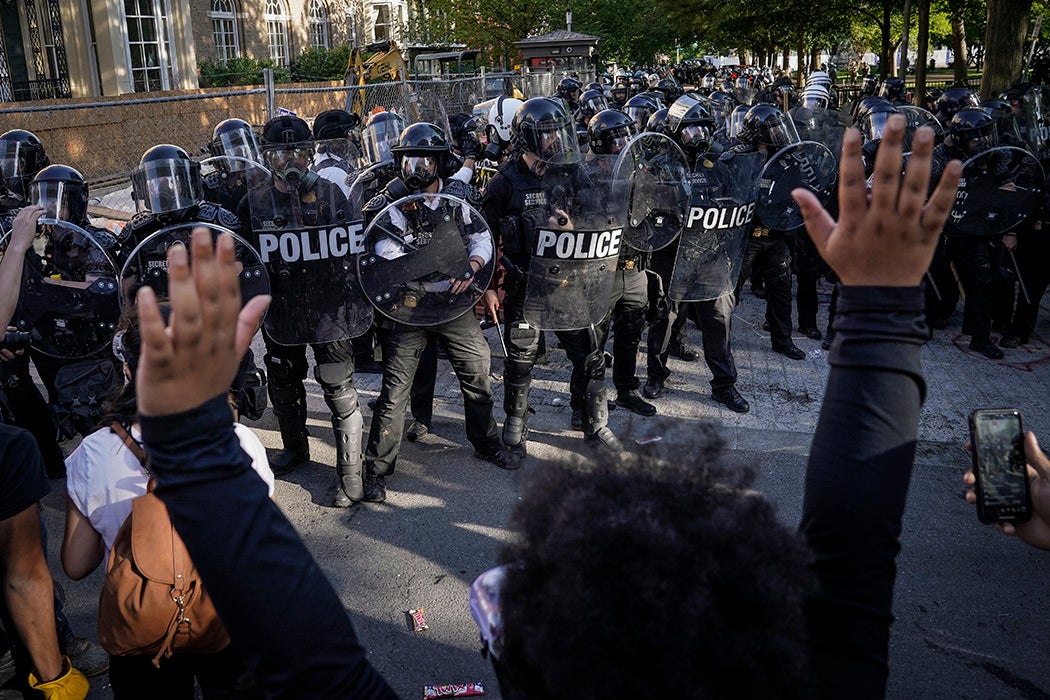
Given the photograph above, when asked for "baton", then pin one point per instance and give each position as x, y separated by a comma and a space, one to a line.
1020, 279
933, 285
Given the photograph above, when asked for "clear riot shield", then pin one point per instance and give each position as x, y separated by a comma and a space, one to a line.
825, 126
575, 235
719, 218
416, 268
307, 244
369, 182
916, 117
807, 164
228, 178
1036, 129
650, 176
336, 160
999, 189
68, 300
147, 265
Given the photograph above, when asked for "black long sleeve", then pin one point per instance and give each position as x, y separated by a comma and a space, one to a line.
283, 616
857, 485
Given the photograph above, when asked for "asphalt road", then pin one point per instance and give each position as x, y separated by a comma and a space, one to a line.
972, 606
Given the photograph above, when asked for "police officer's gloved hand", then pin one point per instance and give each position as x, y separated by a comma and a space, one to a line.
470, 145
71, 685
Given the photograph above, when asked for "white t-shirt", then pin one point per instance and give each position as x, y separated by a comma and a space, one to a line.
103, 476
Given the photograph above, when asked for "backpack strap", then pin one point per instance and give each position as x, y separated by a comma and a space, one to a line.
136, 449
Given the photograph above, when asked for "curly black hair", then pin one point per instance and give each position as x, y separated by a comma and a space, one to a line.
640, 577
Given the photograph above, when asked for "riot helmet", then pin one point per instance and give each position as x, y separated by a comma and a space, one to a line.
951, 101
421, 153
894, 89
619, 93
972, 130
870, 86
235, 138
657, 123
767, 125
592, 102
544, 128
501, 115
62, 192
873, 125
670, 89
288, 151
997, 109
332, 132
690, 124
818, 77
21, 157
720, 105
815, 97
593, 86
609, 132
868, 104
708, 83
569, 89
166, 181
736, 121
380, 135
640, 108
742, 83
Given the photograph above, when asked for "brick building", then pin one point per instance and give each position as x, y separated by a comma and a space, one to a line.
86, 48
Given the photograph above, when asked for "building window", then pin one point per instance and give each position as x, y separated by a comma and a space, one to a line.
149, 44
277, 31
381, 26
319, 24
223, 17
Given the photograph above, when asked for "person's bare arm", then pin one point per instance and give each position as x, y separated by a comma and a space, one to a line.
22, 232
82, 549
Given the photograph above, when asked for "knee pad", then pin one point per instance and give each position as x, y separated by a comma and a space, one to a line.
337, 383
594, 366
283, 370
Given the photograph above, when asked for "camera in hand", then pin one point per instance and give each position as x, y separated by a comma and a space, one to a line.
15, 340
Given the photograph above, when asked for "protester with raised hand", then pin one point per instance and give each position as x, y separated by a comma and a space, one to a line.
284, 619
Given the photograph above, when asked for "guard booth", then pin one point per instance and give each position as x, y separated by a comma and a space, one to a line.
561, 51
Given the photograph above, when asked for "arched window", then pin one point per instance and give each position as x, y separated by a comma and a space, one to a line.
319, 34
276, 18
223, 16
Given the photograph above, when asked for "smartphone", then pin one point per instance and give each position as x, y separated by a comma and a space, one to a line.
997, 446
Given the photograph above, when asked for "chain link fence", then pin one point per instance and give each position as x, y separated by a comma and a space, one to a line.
104, 137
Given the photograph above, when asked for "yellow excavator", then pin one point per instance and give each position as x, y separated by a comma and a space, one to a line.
380, 62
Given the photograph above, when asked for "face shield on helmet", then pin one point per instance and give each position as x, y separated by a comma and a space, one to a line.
736, 121
14, 157
592, 102
814, 99
61, 200
708, 82
379, 137
873, 126
694, 136
547, 131
237, 143
164, 186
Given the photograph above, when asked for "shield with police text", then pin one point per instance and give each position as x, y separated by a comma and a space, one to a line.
650, 176
809, 165
147, 265
916, 117
998, 190
1034, 127
575, 235
428, 259
720, 216
307, 240
68, 302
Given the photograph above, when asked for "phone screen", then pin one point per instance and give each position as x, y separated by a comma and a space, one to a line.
999, 461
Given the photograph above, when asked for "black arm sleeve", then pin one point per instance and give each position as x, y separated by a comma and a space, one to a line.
285, 620
857, 484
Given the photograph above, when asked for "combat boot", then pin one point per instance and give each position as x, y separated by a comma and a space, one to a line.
349, 487
296, 442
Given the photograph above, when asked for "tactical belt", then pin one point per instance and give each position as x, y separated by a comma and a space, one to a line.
759, 232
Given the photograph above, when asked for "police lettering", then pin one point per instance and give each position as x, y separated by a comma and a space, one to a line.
578, 245
710, 218
314, 244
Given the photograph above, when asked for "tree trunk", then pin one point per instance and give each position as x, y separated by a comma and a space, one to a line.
801, 52
905, 36
744, 57
886, 55
959, 48
1004, 39
923, 41
787, 60
814, 57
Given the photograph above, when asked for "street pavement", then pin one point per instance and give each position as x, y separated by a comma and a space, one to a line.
972, 606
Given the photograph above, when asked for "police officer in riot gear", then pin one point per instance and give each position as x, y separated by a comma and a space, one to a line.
233, 143
569, 90
976, 258
692, 130
421, 154
609, 132
766, 129
894, 91
514, 201
288, 150
335, 132
951, 101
